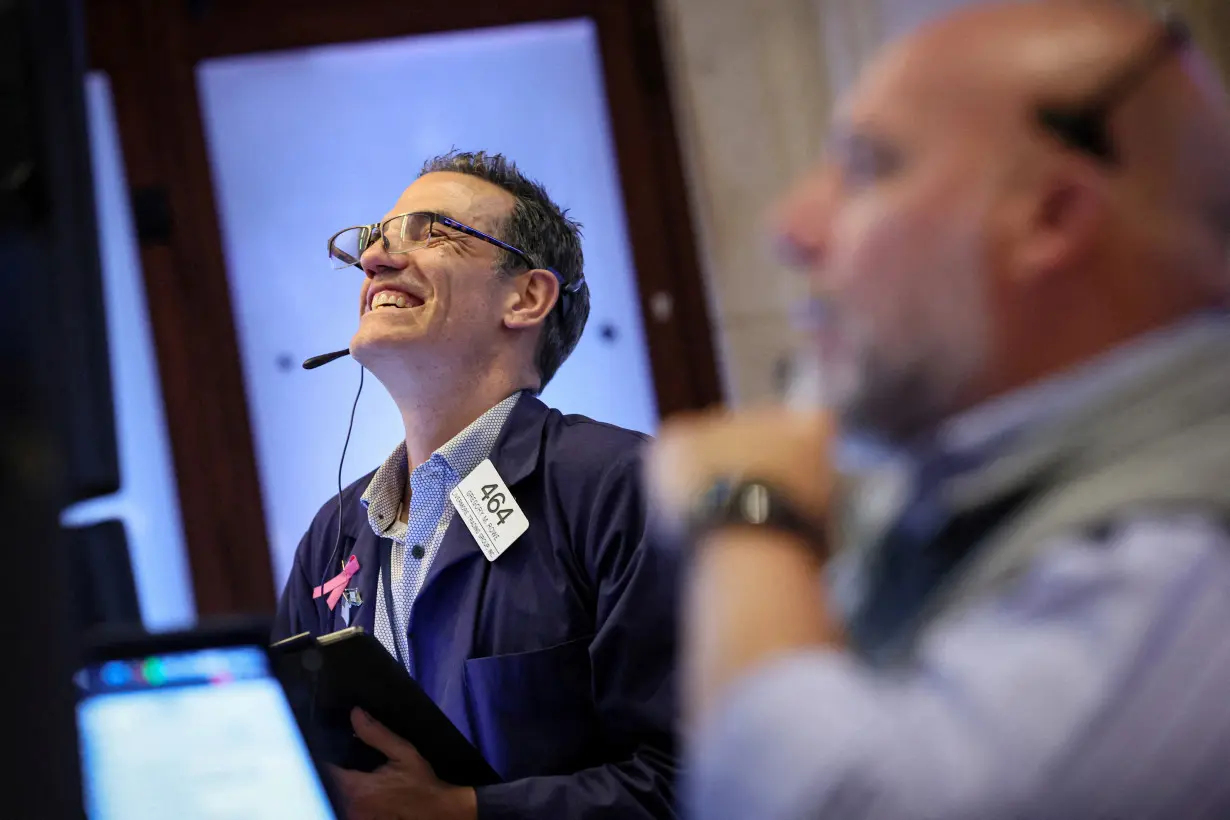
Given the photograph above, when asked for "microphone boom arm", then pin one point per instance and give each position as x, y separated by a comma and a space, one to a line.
324, 358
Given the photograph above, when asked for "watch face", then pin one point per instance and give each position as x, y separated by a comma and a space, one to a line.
748, 502
755, 503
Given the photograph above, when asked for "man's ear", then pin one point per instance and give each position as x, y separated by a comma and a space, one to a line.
534, 295
1064, 218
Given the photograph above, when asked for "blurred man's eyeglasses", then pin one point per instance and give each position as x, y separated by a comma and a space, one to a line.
1084, 126
408, 232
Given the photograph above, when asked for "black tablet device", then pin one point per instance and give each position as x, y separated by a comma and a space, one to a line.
327, 677
193, 725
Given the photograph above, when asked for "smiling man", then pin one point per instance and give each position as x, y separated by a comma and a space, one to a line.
551, 652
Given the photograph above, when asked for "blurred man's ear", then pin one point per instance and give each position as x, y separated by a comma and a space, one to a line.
534, 294
1064, 219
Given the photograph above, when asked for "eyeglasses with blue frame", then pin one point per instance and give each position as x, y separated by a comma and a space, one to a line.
410, 231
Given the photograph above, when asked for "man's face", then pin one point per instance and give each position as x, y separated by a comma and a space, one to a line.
444, 301
890, 230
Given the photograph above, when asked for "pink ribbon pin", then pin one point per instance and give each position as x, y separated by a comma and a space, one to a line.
337, 585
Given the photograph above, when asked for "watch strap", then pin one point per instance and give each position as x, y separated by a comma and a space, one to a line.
754, 503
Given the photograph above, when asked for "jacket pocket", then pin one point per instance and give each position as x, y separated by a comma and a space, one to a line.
533, 712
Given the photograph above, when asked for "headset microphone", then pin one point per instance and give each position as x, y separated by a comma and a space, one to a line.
324, 358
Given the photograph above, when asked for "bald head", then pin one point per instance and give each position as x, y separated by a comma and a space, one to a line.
1171, 128
964, 249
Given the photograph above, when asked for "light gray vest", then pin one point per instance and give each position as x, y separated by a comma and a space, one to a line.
1158, 443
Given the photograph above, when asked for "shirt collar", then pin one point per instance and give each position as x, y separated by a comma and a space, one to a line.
469, 448
460, 455
980, 427
880, 479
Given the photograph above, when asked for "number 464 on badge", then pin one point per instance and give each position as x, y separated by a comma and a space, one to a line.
494, 496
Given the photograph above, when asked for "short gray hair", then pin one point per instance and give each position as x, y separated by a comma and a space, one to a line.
543, 230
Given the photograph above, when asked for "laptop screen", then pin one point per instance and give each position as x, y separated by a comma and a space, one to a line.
193, 735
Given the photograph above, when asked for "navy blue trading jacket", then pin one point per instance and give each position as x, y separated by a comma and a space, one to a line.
557, 659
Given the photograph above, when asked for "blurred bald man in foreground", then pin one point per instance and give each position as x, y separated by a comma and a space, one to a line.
1019, 236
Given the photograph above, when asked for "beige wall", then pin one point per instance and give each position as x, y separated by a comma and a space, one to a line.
751, 91
753, 83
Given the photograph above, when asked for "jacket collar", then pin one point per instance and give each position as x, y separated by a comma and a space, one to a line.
514, 456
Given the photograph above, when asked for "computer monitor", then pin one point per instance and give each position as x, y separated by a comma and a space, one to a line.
193, 726
58, 442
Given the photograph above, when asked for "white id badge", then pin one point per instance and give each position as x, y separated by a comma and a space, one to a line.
489, 510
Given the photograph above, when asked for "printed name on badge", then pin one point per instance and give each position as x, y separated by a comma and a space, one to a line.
489, 510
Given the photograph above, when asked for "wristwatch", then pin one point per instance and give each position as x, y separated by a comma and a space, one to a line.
753, 503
